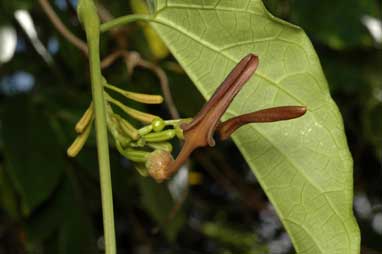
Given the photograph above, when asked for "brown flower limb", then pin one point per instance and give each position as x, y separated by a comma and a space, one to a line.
199, 132
226, 128
209, 116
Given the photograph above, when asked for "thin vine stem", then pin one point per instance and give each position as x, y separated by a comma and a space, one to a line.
88, 15
59, 25
124, 20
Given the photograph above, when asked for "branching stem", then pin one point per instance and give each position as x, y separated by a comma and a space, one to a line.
124, 20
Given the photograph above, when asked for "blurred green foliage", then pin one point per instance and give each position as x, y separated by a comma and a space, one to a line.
51, 204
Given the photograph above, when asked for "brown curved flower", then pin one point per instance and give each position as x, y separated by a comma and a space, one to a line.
199, 132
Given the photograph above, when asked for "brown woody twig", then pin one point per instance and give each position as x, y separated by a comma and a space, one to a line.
57, 23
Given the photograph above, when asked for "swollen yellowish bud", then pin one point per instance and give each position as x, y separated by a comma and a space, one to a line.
79, 142
157, 165
85, 119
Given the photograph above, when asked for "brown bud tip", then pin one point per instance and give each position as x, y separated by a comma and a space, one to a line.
268, 115
158, 163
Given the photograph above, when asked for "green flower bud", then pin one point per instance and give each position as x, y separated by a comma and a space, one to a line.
158, 124
166, 146
160, 136
135, 155
145, 130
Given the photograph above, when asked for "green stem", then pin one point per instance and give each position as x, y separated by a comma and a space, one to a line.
124, 20
88, 16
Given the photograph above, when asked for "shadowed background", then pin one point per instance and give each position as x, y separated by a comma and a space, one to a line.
51, 204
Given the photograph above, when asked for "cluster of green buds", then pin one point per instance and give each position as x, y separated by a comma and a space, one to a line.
148, 148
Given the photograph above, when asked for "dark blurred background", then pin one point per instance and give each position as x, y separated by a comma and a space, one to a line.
51, 204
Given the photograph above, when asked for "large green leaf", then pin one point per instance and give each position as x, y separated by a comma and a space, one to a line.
303, 165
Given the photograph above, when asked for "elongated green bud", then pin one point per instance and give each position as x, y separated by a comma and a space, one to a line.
79, 142
120, 136
160, 136
140, 116
144, 98
145, 130
85, 119
138, 97
166, 146
127, 127
136, 155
